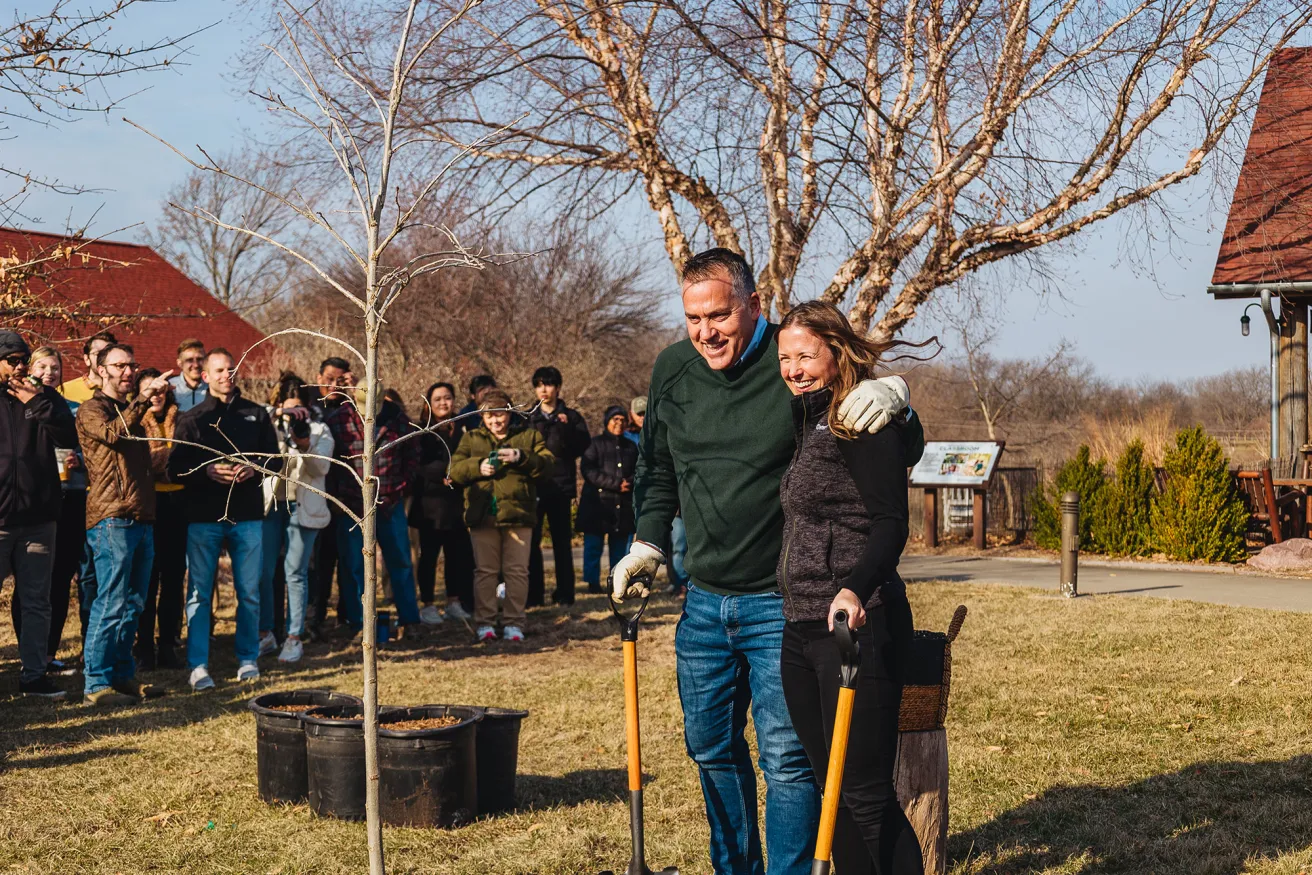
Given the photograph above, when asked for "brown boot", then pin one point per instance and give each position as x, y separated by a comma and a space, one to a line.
138, 690
109, 698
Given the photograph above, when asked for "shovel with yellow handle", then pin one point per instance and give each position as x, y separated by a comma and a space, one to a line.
849, 652
629, 638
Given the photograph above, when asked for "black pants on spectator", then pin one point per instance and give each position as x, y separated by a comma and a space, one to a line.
327, 564
872, 834
70, 546
459, 573
167, 593
555, 509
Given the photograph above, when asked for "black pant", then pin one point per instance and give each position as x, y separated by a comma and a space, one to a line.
872, 833
459, 574
70, 544
555, 508
327, 562
166, 596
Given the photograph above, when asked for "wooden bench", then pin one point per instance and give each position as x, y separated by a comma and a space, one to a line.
1274, 505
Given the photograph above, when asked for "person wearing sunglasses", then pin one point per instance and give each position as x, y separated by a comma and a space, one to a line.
34, 421
189, 386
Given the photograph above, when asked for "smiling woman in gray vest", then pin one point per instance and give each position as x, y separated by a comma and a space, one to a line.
844, 499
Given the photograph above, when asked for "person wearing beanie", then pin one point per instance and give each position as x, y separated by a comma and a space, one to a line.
500, 464
34, 421
606, 505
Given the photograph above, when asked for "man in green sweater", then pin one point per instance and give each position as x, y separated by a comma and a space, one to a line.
716, 440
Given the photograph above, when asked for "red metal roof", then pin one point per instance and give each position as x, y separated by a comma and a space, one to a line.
1268, 235
133, 292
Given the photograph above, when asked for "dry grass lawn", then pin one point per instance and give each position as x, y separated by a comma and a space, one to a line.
1102, 735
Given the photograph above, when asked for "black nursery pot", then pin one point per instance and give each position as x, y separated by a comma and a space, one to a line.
280, 742
428, 777
498, 759
334, 760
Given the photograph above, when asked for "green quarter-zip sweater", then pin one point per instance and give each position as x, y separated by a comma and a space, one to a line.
714, 447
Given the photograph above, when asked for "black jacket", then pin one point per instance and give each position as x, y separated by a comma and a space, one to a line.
233, 429
29, 477
436, 505
567, 441
603, 509
845, 512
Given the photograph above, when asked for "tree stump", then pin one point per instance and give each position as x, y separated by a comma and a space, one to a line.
921, 778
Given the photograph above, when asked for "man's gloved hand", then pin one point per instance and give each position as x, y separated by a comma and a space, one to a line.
874, 403
627, 577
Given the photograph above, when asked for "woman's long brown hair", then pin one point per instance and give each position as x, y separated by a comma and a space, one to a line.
857, 357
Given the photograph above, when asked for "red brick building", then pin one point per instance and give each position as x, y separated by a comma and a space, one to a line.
125, 288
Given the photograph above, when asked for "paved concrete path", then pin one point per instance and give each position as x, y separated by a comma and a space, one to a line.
1223, 586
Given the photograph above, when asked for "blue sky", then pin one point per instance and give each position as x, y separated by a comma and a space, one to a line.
1133, 317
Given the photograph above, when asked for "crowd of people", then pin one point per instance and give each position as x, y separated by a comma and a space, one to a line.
129, 484
766, 468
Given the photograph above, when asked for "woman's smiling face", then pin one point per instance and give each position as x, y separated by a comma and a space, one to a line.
806, 362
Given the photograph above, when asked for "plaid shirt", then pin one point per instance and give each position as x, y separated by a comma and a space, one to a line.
395, 468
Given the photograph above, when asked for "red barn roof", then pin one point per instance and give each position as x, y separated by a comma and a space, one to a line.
1268, 235
125, 288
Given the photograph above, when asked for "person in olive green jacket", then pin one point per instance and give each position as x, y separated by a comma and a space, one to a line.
500, 464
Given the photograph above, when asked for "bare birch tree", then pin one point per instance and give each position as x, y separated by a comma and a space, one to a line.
371, 209
870, 152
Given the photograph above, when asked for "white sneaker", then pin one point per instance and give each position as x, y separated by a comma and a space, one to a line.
501, 591
456, 611
486, 633
512, 633
268, 644
200, 679
248, 672
291, 650
429, 615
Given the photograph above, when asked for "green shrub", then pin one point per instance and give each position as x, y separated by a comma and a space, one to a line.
1200, 514
1081, 475
1121, 518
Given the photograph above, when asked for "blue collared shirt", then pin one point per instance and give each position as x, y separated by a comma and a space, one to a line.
186, 396
757, 335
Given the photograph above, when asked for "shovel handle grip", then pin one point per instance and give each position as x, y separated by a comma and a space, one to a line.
629, 622
849, 650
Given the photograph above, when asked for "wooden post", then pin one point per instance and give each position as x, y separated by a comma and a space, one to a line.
1293, 378
921, 778
980, 519
931, 516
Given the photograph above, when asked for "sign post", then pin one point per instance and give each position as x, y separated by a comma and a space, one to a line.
962, 464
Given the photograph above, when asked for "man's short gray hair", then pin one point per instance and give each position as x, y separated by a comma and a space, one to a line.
712, 263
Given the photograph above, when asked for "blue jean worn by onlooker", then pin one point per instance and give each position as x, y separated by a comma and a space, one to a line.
273, 534
727, 653
124, 552
678, 549
246, 549
592, 549
394, 540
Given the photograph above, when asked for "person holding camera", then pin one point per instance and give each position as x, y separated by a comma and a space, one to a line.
165, 596
295, 511
499, 464
34, 420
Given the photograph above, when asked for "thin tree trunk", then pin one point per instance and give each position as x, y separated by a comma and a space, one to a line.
369, 523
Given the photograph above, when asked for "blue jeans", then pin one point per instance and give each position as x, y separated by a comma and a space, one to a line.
678, 549
592, 544
727, 653
273, 533
394, 540
246, 548
124, 553
296, 569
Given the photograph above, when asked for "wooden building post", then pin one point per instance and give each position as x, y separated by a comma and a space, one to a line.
931, 516
1292, 367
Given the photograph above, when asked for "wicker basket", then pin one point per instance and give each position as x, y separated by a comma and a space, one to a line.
929, 678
